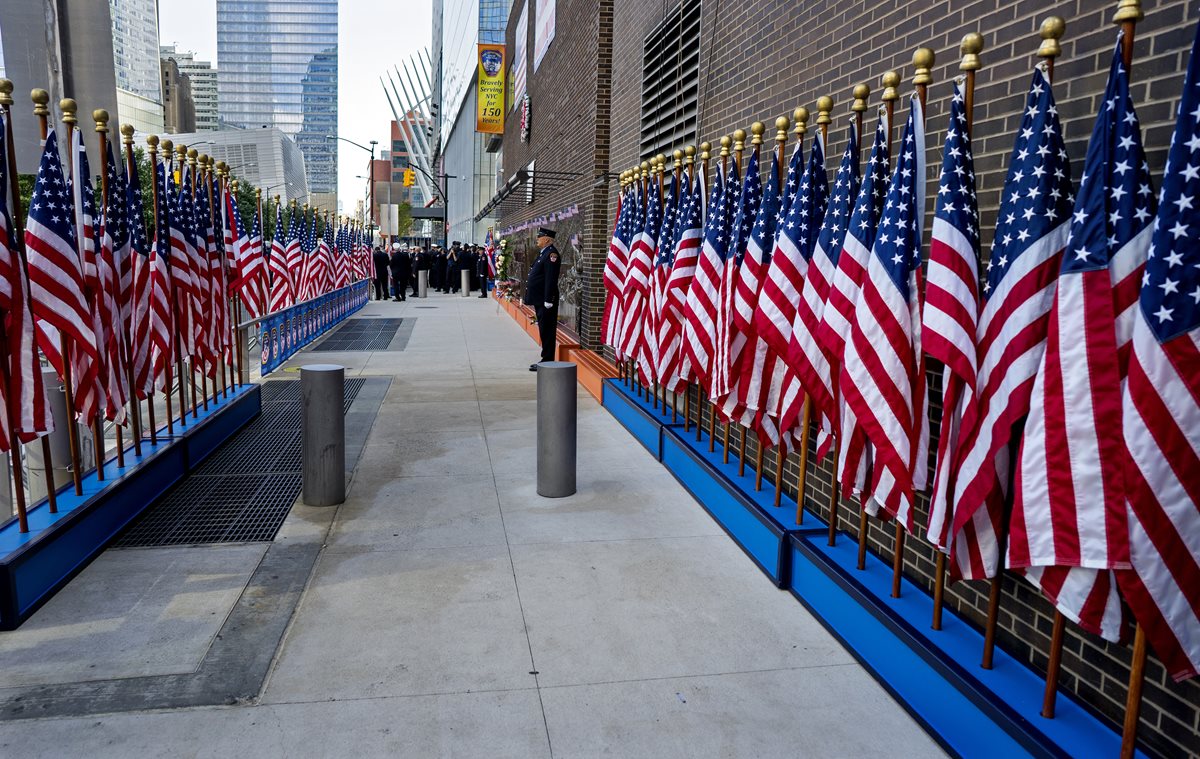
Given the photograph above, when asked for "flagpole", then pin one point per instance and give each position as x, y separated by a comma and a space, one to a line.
14, 456
240, 346
181, 150
739, 147
800, 117
756, 130
922, 62
72, 430
131, 175
1051, 31
152, 144
232, 305
861, 92
208, 165
890, 81
824, 106
679, 162
660, 169
126, 341
705, 154
168, 149
192, 156
100, 116
781, 126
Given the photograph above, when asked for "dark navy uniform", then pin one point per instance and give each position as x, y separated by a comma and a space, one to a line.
380, 259
541, 292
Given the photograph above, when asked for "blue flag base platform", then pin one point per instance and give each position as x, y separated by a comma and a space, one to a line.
934, 675
36, 564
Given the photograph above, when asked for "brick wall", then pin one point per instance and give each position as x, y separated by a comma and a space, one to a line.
760, 60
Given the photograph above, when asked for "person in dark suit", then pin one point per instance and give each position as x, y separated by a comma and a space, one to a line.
453, 278
401, 266
439, 271
414, 263
380, 260
481, 271
541, 292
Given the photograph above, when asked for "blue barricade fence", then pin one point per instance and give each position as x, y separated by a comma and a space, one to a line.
284, 333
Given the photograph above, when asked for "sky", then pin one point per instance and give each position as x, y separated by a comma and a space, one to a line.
373, 36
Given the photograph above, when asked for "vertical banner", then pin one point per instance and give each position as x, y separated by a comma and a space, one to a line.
543, 33
489, 90
520, 56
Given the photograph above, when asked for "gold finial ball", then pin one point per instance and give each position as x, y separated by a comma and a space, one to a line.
151, 140
705, 147
690, 150
824, 103
645, 165
100, 116
862, 91
726, 141
890, 80
758, 127
800, 115
127, 130
6, 86
922, 58
68, 106
739, 135
660, 159
167, 146
972, 45
1053, 28
39, 97
677, 154
782, 123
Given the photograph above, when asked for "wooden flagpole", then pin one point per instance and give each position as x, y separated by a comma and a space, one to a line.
861, 92
922, 62
168, 384
971, 46
181, 150
100, 116
168, 149
1051, 31
18, 243
135, 405
800, 119
726, 141
208, 165
192, 161
781, 135
131, 175
824, 106
890, 81
41, 108
739, 147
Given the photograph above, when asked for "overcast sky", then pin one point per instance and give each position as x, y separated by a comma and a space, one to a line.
373, 36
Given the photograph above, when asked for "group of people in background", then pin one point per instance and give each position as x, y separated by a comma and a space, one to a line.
397, 273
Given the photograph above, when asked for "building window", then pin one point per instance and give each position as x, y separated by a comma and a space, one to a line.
670, 80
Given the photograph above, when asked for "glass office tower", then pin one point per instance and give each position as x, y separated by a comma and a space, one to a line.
278, 66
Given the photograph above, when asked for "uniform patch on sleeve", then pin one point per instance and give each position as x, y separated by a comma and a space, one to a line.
554, 258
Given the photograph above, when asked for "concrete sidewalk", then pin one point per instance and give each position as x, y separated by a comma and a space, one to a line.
453, 612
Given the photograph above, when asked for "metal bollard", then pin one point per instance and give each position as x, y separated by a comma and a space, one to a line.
466, 282
556, 422
423, 283
322, 395
60, 446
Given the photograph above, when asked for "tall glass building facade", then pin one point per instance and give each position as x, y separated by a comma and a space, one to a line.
278, 66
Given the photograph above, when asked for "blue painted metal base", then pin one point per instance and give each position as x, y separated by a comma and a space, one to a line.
36, 564
934, 675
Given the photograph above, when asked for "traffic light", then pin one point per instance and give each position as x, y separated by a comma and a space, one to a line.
409, 177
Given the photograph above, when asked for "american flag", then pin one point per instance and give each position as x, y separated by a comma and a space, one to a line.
674, 368
1031, 233
886, 390
25, 412
164, 308
614, 270
183, 278
249, 262
730, 340
745, 366
208, 267
761, 366
1161, 414
951, 313
794, 242
805, 353
140, 289
108, 307
703, 299
324, 282
635, 298
118, 213
88, 368
294, 255
489, 250
1069, 504
55, 275
282, 294
660, 274
844, 292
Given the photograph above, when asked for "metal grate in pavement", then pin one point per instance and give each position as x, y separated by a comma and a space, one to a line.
360, 335
243, 491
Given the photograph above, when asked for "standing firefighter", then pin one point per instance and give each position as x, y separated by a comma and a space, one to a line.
541, 292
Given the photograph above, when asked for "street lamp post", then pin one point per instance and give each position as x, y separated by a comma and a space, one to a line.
370, 169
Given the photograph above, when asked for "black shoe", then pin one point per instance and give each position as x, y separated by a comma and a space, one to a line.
533, 367
397, 299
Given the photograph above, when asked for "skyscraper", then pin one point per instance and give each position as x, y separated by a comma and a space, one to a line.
204, 85
135, 59
278, 67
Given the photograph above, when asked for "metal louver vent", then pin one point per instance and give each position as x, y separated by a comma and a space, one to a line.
670, 81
